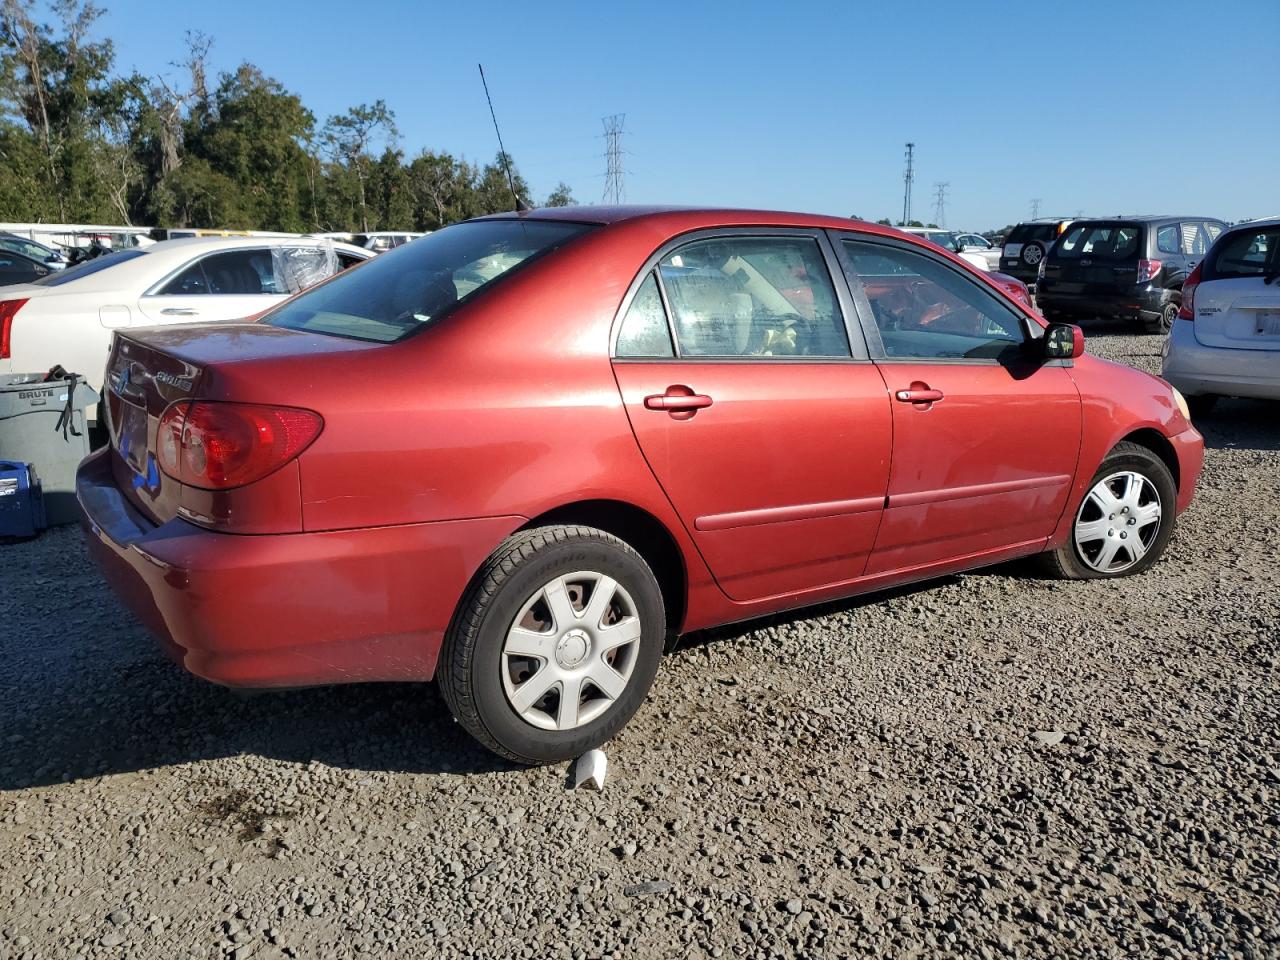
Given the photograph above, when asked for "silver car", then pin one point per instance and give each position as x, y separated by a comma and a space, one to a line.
1226, 340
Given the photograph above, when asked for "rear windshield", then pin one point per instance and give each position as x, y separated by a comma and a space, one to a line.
1026, 232
96, 265
1244, 253
395, 294
1106, 241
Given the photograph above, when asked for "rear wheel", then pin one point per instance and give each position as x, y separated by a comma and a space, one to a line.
555, 645
1124, 522
1164, 322
1032, 253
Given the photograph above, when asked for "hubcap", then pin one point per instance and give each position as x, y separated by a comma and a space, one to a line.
570, 651
1118, 522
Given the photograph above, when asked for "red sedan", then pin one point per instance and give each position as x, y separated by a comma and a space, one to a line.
518, 454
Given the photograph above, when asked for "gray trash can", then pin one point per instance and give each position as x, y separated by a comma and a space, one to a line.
43, 423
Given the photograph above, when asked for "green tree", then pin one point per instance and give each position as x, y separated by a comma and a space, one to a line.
349, 138
561, 196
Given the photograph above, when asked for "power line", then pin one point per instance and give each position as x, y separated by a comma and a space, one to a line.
940, 203
908, 178
1035, 208
614, 189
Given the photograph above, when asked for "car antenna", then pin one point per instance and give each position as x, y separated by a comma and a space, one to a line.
521, 206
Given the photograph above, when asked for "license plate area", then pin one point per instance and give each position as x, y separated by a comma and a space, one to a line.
131, 437
1266, 323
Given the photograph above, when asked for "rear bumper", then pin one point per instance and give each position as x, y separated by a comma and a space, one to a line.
286, 609
1139, 302
1196, 369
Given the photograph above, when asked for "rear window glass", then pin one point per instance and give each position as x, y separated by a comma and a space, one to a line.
1026, 232
1244, 253
417, 283
1107, 241
96, 265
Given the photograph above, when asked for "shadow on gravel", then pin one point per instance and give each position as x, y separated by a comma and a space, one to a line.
1241, 425
733, 631
94, 722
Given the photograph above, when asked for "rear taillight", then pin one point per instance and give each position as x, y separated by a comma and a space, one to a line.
1147, 269
1188, 309
217, 445
8, 310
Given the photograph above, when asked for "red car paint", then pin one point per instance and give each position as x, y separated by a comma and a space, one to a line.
801, 482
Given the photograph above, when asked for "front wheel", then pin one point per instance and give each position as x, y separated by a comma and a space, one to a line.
1125, 520
555, 644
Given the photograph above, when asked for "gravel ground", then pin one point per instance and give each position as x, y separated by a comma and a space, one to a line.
989, 765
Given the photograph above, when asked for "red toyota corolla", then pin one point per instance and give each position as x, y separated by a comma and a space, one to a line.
517, 454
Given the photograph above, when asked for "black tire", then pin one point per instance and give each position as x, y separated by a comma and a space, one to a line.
471, 660
1032, 253
1202, 405
1067, 563
1164, 322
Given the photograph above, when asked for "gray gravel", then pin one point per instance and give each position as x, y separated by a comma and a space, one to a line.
989, 765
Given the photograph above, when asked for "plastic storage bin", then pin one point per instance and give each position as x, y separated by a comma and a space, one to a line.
42, 422
21, 508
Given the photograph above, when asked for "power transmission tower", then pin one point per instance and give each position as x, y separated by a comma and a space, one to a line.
1035, 208
908, 178
940, 203
614, 190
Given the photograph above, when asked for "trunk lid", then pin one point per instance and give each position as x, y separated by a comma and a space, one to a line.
1242, 314
149, 370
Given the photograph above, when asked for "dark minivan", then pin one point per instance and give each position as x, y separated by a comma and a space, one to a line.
1128, 267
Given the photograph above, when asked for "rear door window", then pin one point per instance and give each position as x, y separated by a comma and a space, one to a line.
644, 331
1106, 241
1168, 239
234, 272
753, 297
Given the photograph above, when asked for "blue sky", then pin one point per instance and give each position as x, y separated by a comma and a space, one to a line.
1094, 107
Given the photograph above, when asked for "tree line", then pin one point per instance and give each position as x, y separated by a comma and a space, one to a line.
82, 143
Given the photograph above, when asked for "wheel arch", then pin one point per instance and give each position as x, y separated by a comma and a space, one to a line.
644, 532
1159, 444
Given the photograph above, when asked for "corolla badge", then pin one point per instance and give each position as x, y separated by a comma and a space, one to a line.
170, 380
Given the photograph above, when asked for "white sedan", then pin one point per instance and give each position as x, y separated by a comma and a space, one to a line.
1226, 340
948, 241
977, 243
67, 318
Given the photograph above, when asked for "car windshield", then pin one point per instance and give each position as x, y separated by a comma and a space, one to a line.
1107, 241
417, 283
944, 239
96, 265
1245, 253
28, 247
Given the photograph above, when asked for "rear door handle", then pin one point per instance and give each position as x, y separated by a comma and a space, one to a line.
179, 312
918, 396
667, 401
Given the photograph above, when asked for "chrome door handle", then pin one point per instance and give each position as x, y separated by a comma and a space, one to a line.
179, 312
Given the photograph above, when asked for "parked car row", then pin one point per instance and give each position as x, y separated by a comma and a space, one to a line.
68, 317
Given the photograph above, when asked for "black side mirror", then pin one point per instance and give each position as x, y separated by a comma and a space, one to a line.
1063, 341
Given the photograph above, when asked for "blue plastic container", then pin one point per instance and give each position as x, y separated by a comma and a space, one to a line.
21, 502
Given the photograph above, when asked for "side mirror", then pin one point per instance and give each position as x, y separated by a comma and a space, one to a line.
1063, 341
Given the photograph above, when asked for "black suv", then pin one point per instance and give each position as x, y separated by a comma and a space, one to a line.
1129, 267
1026, 245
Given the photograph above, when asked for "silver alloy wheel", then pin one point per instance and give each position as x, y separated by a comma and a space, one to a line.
1118, 522
570, 651
1032, 255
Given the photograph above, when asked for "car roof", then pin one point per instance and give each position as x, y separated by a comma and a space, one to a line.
1144, 218
1260, 222
696, 218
